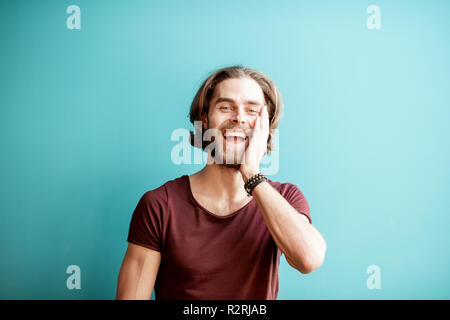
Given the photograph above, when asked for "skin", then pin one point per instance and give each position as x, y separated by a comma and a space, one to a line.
219, 186
220, 189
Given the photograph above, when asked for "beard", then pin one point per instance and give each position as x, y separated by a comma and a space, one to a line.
228, 152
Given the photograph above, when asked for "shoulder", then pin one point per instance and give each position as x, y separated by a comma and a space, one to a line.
294, 196
160, 194
285, 188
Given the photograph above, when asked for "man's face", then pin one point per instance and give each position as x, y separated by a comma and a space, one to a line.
233, 110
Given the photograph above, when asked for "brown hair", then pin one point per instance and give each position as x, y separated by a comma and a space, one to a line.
272, 97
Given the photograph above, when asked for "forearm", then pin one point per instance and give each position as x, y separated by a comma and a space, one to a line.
299, 240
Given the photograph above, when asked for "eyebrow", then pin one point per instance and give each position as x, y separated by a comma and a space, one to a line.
222, 99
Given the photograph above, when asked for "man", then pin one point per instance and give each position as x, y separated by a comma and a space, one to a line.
203, 236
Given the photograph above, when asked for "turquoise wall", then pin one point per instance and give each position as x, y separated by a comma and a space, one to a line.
86, 117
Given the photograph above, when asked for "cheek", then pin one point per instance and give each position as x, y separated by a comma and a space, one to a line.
217, 121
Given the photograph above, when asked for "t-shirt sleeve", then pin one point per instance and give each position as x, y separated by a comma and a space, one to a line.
297, 200
146, 222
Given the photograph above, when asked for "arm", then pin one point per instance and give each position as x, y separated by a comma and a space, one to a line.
138, 273
301, 243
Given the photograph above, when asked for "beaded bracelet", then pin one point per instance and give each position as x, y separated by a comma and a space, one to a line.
253, 182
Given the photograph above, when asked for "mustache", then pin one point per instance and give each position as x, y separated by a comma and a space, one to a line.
245, 130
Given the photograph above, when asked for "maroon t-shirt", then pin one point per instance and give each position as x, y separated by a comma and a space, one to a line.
206, 256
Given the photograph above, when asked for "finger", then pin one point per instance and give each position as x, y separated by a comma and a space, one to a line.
257, 122
265, 118
260, 116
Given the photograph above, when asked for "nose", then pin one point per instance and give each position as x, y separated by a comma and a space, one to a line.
238, 116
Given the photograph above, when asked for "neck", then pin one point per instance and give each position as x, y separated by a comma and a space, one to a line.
222, 182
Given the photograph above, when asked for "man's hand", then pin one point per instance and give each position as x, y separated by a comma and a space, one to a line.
257, 145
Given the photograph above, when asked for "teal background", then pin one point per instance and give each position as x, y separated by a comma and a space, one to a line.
86, 118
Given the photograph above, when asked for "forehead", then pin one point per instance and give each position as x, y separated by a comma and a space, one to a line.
242, 89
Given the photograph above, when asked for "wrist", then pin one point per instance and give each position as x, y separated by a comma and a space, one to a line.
254, 181
248, 174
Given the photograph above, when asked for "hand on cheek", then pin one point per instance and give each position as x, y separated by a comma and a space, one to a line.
257, 145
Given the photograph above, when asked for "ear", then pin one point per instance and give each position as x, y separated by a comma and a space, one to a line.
205, 121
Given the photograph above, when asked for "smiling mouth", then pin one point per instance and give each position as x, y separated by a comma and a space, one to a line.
233, 137
234, 140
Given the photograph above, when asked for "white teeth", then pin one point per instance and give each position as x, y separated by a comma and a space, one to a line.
234, 134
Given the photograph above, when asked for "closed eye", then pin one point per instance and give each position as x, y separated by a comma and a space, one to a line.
253, 109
